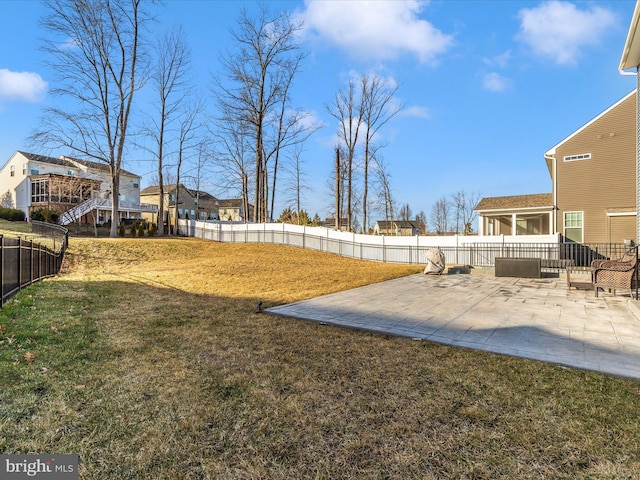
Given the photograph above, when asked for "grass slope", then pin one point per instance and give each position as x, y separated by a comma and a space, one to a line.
146, 358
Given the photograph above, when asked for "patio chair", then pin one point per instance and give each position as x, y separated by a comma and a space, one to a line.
615, 274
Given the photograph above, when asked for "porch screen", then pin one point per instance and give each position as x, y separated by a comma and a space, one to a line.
573, 226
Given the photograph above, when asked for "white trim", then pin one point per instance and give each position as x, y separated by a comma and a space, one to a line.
631, 51
552, 150
622, 214
508, 210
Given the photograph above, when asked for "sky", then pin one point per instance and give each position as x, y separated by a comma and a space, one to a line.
487, 87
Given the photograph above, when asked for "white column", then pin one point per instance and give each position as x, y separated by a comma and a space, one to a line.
513, 224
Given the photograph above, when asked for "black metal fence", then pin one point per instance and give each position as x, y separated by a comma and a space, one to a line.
554, 256
23, 262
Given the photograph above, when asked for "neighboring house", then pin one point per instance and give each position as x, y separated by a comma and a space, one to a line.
78, 190
232, 210
207, 205
593, 175
192, 204
186, 206
396, 227
331, 223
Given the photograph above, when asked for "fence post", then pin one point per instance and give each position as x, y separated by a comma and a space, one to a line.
384, 250
19, 263
31, 263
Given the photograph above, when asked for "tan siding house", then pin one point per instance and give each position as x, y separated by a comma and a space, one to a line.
185, 208
593, 186
402, 228
593, 174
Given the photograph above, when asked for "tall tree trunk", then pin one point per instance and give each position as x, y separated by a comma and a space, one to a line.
338, 189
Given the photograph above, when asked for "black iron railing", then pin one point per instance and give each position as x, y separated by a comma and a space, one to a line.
23, 261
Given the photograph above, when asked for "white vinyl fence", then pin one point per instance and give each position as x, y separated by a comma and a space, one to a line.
458, 249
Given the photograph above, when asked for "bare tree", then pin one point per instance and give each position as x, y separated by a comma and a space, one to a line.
267, 59
377, 109
464, 204
293, 129
95, 49
169, 83
296, 183
187, 143
232, 160
440, 214
347, 110
421, 220
337, 186
386, 203
201, 169
405, 212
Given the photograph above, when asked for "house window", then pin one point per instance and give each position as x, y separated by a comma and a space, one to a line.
573, 158
40, 191
35, 170
574, 226
13, 170
24, 168
136, 185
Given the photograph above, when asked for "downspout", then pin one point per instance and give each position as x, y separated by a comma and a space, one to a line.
554, 189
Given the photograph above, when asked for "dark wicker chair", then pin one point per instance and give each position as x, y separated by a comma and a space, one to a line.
615, 274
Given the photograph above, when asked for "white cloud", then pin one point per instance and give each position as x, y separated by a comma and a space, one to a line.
558, 30
415, 111
501, 60
24, 86
495, 82
378, 30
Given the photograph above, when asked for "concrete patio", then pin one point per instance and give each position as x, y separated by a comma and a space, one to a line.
539, 319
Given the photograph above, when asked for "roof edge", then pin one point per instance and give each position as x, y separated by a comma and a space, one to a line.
631, 52
552, 150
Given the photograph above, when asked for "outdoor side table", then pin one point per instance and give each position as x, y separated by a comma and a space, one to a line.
580, 277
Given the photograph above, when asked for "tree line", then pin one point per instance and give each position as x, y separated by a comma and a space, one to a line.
104, 58
454, 214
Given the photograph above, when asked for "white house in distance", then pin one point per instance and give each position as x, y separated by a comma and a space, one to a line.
78, 190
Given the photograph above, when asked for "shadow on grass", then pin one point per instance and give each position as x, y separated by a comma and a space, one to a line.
153, 381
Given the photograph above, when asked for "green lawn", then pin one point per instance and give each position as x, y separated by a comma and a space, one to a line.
146, 359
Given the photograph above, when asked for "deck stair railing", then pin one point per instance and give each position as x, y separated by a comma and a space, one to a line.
75, 213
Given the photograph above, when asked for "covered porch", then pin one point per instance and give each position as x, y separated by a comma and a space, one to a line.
516, 215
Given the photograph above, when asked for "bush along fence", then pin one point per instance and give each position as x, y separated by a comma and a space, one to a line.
23, 262
458, 249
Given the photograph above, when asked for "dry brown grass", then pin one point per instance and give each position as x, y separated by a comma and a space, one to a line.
158, 367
